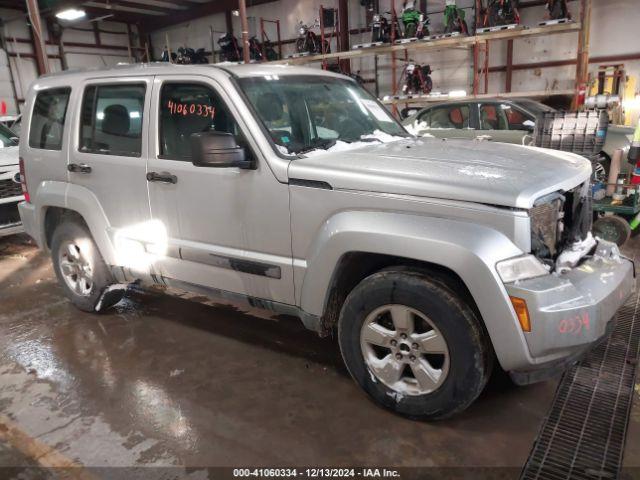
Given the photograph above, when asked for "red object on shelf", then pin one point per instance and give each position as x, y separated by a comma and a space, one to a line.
3, 107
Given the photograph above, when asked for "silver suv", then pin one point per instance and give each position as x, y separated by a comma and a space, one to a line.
294, 190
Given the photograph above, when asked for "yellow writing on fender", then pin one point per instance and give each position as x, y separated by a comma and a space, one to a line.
197, 109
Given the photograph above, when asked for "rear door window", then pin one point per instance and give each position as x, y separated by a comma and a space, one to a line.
492, 117
111, 121
449, 116
517, 119
47, 120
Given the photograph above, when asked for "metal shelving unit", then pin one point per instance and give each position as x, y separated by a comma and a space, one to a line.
459, 41
479, 43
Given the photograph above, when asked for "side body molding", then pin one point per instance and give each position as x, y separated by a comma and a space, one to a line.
468, 249
84, 202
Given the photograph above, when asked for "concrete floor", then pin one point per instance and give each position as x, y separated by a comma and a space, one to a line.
165, 381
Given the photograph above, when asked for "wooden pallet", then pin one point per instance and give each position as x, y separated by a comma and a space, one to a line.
560, 21
440, 36
298, 55
360, 46
500, 28
404, 41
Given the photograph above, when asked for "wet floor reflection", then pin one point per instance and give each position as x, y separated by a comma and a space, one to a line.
200, 385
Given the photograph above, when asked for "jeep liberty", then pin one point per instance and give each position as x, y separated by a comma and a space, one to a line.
294, 190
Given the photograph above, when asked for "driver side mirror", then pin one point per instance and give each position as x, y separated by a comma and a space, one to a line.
529, 126
218, 150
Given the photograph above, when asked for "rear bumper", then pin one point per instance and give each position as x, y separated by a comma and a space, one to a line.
571, 312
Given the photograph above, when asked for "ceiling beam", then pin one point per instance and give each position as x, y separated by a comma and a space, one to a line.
197, 11
125, 6
160, 4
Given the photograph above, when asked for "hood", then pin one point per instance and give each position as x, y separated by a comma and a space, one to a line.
9, 156
465, 170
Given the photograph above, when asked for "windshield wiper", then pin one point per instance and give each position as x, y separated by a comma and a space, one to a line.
324, 143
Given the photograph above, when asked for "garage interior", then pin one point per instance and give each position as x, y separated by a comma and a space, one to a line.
183, 386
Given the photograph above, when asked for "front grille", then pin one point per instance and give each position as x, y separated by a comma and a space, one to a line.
9, 214
9, 188
546, 227
584, 435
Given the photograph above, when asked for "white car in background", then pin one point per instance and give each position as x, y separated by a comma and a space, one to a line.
10, 187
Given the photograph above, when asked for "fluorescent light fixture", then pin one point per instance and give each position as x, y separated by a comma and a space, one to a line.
70, 14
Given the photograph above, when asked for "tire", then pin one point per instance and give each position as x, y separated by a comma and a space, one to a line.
410, 30
376, 36
613, 229
301, 45
495, 18
601, 168
557, 10
86, 292
434, 310
428, 85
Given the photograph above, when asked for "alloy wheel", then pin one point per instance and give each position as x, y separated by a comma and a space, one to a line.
76, 269
404, 350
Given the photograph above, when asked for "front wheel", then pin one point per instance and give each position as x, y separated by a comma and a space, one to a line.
413, 345
80, 268
410, 30
301, 45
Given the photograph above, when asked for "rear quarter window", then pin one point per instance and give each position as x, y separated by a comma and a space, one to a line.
48, 117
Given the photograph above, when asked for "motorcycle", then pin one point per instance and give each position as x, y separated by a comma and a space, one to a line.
188, 56
255, 49
415, 23
454, 19
381, 27
230, 50
558, 9
417, 79
501, 12
309, 42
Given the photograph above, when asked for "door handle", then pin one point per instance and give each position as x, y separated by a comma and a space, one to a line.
162, 177
79, 168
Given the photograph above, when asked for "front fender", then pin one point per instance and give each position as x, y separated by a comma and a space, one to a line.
82, 201
469, 250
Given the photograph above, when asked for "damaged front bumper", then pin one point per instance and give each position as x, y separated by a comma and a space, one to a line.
572, 311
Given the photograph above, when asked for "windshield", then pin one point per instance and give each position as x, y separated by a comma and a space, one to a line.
7, 137
535, 107
307, 112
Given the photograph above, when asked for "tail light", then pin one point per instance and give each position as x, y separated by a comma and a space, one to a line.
23, 182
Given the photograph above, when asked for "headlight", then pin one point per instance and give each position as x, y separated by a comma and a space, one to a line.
302, 31
376, 18
520, 268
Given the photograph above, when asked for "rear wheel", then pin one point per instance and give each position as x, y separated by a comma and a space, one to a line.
80, 268
413, 345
